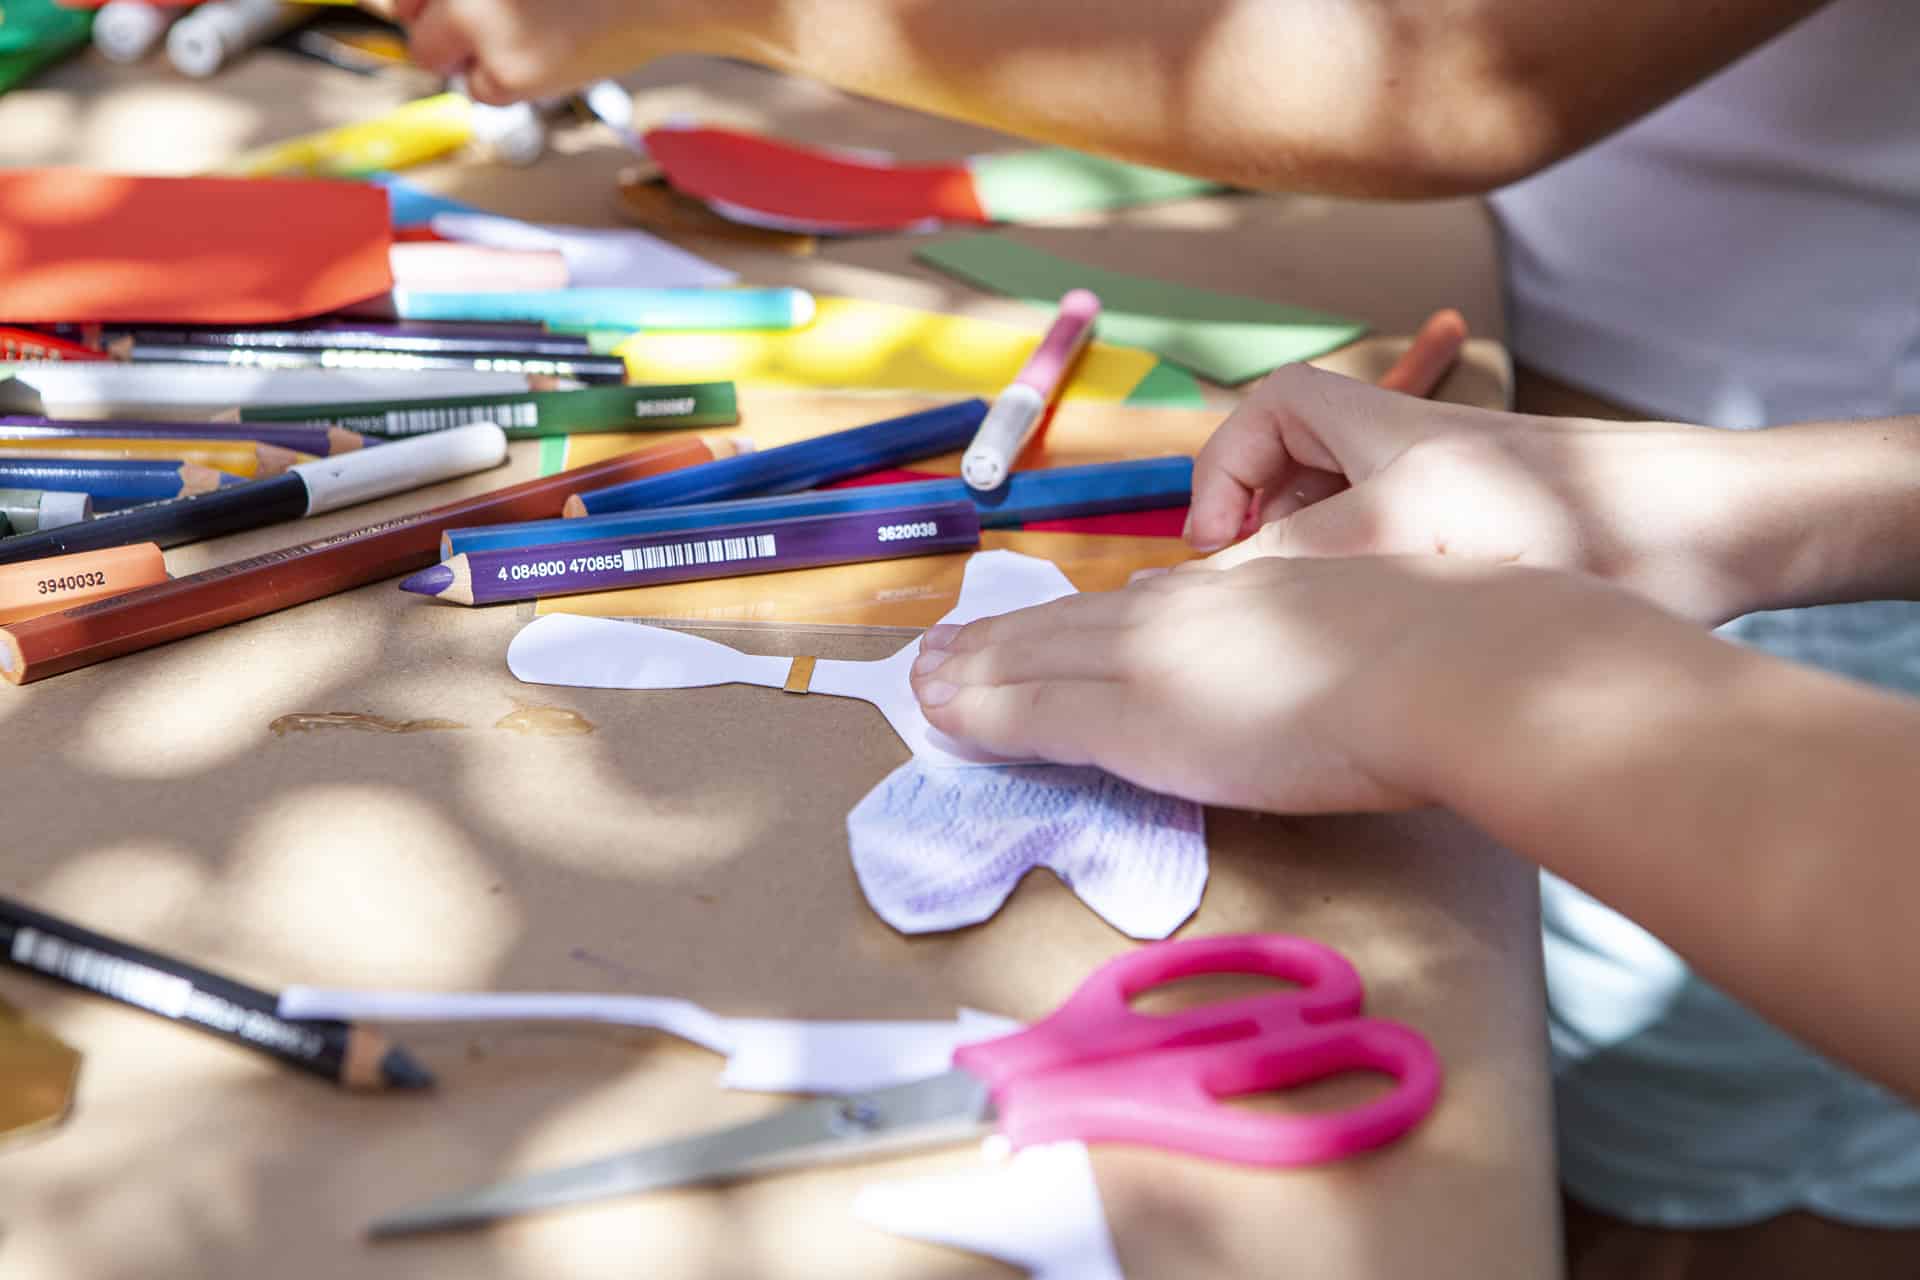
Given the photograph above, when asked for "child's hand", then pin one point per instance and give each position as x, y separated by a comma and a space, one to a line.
511, 50
1314, 464
1297, 686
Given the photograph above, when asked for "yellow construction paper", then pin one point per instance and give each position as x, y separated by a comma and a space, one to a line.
915, 592
857, 344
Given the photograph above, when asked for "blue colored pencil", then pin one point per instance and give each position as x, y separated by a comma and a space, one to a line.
617, 308
1101, 488
804, 464
117, 482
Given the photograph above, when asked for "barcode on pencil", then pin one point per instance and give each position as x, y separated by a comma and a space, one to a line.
409, 422
84, 967
674, 555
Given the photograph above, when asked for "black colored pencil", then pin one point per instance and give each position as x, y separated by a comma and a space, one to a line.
585, 366
354, 1056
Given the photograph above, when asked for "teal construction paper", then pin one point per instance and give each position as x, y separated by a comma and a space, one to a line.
1024, 186
1221, 336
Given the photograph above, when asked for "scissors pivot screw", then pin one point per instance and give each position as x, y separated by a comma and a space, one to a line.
856, 1117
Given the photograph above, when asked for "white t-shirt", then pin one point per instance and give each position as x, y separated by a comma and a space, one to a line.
1748, 255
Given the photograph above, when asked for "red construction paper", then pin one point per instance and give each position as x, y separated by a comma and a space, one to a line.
79, 246
800, 184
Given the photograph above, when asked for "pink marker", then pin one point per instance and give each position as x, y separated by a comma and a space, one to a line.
1019, 408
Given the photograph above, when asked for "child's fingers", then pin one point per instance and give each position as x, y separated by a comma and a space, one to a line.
1058, 720
439, 41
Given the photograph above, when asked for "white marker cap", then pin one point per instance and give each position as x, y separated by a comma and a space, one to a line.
57, 509
382, 470
127, 30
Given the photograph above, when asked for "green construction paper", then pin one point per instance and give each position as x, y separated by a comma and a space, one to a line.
1221, 336
40, 25
553, 455
1168, 386
35, 34
1023, 186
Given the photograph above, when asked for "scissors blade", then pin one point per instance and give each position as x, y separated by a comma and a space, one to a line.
941, 1109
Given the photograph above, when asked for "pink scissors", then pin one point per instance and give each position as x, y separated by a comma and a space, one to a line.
1094, 1070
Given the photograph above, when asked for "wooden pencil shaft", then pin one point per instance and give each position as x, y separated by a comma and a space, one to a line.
424, 336
108, 480
60, 582
239, 458
170, 524
585, 366
528, 415
38, 943
263, 584
317, 439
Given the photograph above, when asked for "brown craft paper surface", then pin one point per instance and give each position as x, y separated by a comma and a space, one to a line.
685, 843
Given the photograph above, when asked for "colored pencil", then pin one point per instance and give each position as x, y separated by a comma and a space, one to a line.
801, 465
1101, 488
1017, 411
529, 414
424, 336
357, 1057
235, 457
199, 602
325, 484
30, 509
110, 482
725, 551
31, 344
1431, 355
583, 366
118, 388
616, 308
60, 582
316, 439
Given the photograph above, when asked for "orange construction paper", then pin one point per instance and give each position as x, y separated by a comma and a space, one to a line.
804, 185
79, 246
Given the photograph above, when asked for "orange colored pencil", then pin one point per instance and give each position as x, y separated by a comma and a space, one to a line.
34, 587
1435, 347
245, 458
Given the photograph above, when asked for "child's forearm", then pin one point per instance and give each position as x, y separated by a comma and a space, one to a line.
1394, 98
1829, 512
1758, 817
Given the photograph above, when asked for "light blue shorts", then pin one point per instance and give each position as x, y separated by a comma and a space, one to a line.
1678, 1107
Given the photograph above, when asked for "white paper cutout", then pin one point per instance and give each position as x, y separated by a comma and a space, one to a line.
943, 848
605, 653
596, 257
773, 1055
1041, 1210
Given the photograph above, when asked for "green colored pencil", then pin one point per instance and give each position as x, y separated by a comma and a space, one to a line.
526, 415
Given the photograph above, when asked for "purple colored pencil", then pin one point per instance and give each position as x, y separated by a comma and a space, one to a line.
646, 560
318, 439
418, 336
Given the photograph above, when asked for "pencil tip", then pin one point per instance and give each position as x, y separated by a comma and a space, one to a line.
430, 581
400, 1071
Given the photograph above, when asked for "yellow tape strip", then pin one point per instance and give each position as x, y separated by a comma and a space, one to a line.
799, 675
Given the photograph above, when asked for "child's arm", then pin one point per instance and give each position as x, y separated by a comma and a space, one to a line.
1759, 817
1712, 524
1372, 97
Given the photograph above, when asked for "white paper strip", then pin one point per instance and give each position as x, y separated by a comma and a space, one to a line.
605, 653
1040, 1210
596, 257
774, 1055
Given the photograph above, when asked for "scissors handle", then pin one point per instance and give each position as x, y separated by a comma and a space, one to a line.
1173, 1099
1098, 1070
1098, 1022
